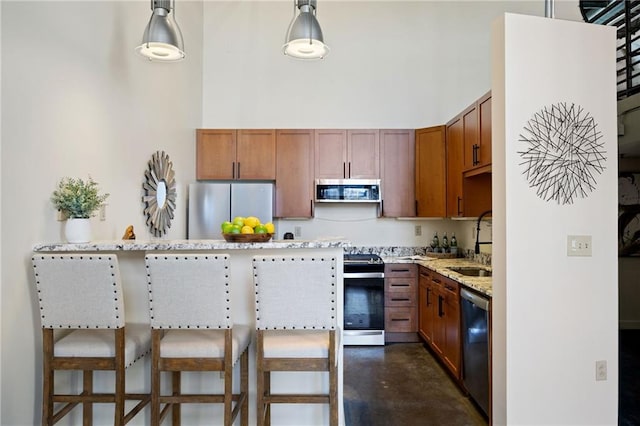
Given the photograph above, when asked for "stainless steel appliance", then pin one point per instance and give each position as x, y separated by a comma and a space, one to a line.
475, 347
348, 191
210, 204
363, 300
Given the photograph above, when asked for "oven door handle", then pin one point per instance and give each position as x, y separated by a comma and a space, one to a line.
363, 275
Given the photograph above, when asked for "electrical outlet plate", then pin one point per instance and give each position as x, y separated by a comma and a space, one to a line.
297, 231
103, 212
418, 230
601, 370
578, 245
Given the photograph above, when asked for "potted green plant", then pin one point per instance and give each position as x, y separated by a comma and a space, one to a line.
77, 200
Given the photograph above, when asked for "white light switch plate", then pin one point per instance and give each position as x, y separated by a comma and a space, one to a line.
578, 245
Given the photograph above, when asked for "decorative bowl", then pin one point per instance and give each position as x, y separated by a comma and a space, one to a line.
247, 238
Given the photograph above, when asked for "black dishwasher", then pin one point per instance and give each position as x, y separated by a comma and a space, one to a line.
475, 347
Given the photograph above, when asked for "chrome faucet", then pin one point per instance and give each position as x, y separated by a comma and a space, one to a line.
483, 214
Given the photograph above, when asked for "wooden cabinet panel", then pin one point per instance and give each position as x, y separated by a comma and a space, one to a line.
215, 154
401, 307
470, 135
235, 154
455, 164
484, 113
400, 320
452, 347
330, 154
294, 173
431, 172
256, 154
397, 172
427, 305
439, 317
363, 154
343, 154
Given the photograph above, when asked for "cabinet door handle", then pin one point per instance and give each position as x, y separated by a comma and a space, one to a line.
233, 170
344, 169
349, 168
459, 211
428, 297
440, 311
475, 154
311, 207
416, 207
238, 170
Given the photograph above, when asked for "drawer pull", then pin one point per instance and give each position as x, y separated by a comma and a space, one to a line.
435, 280
399, 270
403, 299
400, 319
401, 285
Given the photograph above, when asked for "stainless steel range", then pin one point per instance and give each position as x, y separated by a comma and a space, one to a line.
363, 299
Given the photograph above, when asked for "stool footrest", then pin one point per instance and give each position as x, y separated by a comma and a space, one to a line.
296, 399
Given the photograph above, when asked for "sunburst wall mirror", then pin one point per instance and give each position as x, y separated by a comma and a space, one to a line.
159, 193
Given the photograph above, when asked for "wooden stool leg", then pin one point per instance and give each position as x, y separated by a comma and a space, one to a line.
120, 379
260, 378
47, 377
244, 387
175, 408
333, 381
87, 407
155, 376
267, 392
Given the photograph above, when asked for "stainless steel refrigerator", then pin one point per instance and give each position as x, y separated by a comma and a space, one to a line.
210, 204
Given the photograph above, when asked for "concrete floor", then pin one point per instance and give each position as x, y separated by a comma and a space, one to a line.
402, 384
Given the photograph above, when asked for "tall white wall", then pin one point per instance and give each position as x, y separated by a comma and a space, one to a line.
78, 101
554, 315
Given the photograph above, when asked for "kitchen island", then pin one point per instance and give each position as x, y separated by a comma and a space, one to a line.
132, 268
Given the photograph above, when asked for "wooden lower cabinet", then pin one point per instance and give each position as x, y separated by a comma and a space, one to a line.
401, 302
439, 317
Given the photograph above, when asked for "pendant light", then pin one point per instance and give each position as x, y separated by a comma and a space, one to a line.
304, 36
162, 39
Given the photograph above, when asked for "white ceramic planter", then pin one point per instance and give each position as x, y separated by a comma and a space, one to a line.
78, 230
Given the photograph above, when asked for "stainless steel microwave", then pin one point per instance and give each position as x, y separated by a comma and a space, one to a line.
348, 190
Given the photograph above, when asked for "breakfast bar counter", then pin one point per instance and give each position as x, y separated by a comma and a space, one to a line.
132, 268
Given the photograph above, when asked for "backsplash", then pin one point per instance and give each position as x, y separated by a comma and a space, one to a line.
398, 251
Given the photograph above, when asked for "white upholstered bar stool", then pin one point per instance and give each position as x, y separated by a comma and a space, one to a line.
193, 330
82, 293
295, 327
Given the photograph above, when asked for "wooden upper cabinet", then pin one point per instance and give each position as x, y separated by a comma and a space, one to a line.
477, 133
256, 154
397, 172
470, 135
235, 154
215, 154
455, 165
363, 154
430, 172
343, 154
484, 113
294, 173
330, 154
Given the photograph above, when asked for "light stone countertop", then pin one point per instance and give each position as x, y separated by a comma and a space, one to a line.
480, 284
186, 245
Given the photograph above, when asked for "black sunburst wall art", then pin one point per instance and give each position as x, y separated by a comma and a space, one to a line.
563, 153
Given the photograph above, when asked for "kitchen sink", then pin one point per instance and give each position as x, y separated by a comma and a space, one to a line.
471, 271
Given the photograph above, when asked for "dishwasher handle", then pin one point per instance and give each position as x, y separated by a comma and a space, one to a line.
476, 299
